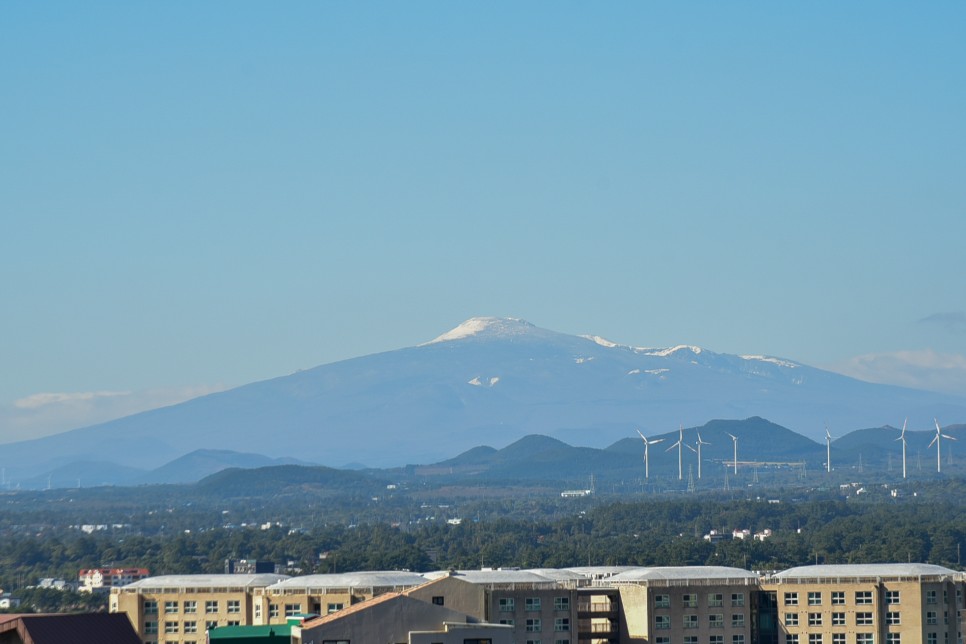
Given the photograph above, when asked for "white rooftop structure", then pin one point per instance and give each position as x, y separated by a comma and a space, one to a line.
387, 579
496, 577
865, 571
600, 572
684, 574
174, 582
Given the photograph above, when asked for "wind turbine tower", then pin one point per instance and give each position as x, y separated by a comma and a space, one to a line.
902, 437
647, 443
937, 441
699, 444
734, 439
680, 445
828, 449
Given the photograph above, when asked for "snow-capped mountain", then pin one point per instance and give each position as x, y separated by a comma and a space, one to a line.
489, 381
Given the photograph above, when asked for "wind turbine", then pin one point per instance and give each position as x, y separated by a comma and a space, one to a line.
828, 449
939, 434
735, 440
647, 443
902, 437
699, 443
679, 444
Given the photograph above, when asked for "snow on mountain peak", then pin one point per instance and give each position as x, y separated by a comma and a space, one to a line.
491, 326
777, 361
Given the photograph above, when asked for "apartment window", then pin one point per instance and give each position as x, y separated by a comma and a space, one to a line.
558, 641
864, 638
893, 638
662, 601
171, 607
210, 625
838, 638
561, 624
533, 641
531, 603
838, 619
930, 596
191, 627
151, 628
814, 619
190, 607
561, 603
931, 638
738, 620
863, 597
892, 597
716, 621
791, 619
715, 599
690, 639
170, 627
273, 610
738, 639
932, 617
211, 606
258, 611
662, 622
150, 607
234, 622
690, 601
291, 610
791, 638
863, 619
234, 606
737, 599
814, 599
533, 625
438, 600
690, 621
507, 622
716, 639
329, 608
838, 597
663, 639
791, 599
893, 619
814, 638
507, 605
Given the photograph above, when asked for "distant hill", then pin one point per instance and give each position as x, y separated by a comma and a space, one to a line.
287, 479
488, 381
200, 463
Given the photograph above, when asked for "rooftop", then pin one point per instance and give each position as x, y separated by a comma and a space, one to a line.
843, 571
684, 573
207, 581
362, 579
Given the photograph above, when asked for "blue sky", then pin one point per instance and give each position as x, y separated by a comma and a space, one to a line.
200, 195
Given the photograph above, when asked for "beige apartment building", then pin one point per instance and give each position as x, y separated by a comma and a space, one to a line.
843, 604
685, 605
324, 594
868, 604
181, 608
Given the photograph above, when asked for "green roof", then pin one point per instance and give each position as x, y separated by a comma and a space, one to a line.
248, 634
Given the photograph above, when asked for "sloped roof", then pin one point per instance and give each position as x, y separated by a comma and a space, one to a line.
494, 576
81, 628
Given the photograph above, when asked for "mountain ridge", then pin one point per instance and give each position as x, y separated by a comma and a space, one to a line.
489, 380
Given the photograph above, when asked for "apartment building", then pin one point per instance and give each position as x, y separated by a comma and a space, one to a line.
325, 594
867, 604
102, 579
181, 608
685, 605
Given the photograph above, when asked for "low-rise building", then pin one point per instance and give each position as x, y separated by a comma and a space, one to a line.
181, 608
103, 579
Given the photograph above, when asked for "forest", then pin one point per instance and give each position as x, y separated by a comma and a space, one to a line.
55, 534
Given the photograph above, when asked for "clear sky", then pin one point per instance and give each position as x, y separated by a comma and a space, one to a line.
195, 196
